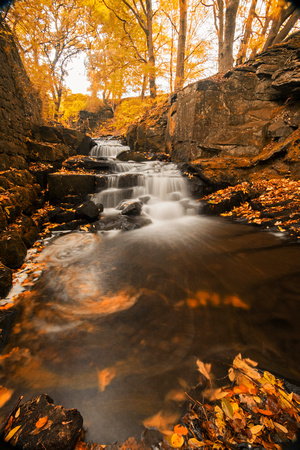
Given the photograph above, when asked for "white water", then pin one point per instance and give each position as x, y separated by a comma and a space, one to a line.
158, 185
109, 149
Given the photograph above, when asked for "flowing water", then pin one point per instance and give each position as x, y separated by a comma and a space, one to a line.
117, 320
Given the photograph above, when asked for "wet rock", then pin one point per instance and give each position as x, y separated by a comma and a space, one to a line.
127, 180
5, 281
58, 215
145, 199
236, 199
12, 249
63, 185
45, 426
28, 230
101, 182
131, 208
7, 318
87, 210
87, 163
125, 223
132, 156
70, 226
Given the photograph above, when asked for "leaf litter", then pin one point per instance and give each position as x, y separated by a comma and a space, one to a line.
254, 410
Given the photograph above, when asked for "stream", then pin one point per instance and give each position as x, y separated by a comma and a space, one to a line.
116, 322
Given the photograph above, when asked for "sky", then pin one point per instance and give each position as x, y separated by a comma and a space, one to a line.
76, 79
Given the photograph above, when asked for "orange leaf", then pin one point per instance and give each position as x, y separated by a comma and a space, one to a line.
265, 412
41, 422
180, 429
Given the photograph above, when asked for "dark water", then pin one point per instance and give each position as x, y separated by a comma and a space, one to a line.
115, 324
135, 310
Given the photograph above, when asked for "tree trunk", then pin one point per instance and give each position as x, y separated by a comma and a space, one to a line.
219, 22
229, 31
247, 33
287, 27
179, 79
281, 16
150, 47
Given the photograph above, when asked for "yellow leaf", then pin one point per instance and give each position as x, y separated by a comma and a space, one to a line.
175, 440
235, 301
280, 427
227, 408
231, 374
256, 429
12, 433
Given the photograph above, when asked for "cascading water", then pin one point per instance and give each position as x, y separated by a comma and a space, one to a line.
115, 323
159, 185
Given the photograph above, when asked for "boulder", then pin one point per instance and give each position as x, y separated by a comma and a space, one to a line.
5, 281
41, 425
132, 156
130, 208
12, 249
62, 185
87, 210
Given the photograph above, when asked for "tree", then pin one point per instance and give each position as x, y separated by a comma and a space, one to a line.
142, 14
179, 80
49, 34
225, 15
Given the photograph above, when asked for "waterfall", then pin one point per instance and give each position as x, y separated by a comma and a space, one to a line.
108, 149
159, 185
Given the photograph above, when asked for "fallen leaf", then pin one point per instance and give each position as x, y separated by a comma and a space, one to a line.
5, 395
204, 369
12, 433
227, 408
105, 376
175, 440
194, 443
41, 422
180, 429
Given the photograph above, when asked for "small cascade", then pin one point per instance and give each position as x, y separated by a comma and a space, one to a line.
159, 185
108, 149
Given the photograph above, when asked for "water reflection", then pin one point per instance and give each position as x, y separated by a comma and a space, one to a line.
116, 322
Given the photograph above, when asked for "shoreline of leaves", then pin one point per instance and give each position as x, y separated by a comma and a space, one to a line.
272, 204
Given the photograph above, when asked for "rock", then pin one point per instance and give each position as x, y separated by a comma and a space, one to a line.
63, 185
12, 249
58, 215
28, 230
131, 208
70, 226
87, 163
45, 426
148, 134
5, 281
132, 156
87, 210
119, 222
128, 180
238, 114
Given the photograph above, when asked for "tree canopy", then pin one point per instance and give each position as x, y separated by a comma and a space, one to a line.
141, 47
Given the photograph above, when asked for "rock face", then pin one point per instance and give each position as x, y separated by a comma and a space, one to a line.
148, 134
29, 151
239, 113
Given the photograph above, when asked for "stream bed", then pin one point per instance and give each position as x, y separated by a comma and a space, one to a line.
116, 322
